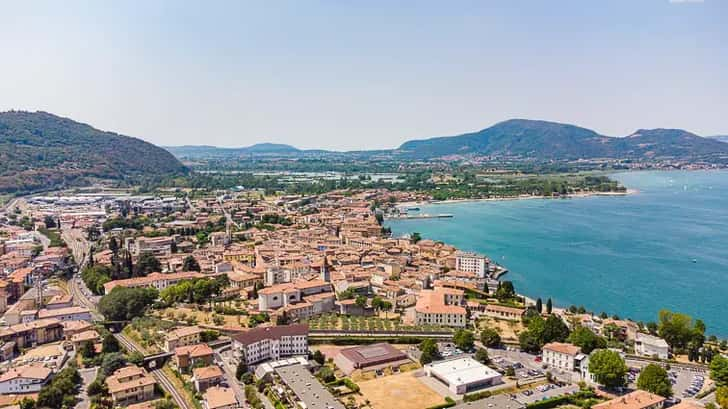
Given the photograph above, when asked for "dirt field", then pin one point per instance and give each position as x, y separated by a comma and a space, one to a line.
508, 330
402, 391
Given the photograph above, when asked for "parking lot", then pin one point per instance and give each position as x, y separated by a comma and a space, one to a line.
544, 392
686, 382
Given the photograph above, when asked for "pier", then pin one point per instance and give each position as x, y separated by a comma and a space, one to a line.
418, 216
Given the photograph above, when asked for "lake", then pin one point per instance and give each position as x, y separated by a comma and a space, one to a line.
663, 247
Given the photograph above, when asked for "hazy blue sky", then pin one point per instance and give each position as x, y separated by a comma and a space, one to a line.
364, 74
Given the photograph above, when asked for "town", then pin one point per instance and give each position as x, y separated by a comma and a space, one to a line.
194, 298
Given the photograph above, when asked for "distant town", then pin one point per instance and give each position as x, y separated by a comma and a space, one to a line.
246, 298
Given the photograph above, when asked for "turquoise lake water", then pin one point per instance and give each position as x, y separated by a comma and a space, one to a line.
664, 247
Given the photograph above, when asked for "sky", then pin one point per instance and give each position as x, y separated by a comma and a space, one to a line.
351, 75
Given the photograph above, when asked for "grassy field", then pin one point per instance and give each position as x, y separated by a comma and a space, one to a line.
401, 391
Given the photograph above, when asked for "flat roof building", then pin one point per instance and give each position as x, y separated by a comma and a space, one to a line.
463, 374
369, 357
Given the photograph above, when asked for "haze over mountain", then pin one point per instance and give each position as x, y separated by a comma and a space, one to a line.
526, 139
722, 138
40, 151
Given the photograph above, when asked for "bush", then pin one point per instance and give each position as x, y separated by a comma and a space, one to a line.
449, 402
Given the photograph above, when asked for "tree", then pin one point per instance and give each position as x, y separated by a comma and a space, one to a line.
463, 339
114, 246
587, 340
505, 290
415, 237
654, 379
555, 330
608, 368
326, 374
87, 350
721, 397
490, 337
361, 301
240, 370
481, 355
719, 370
146, 264
96, 388
111, 363
27, 403
123, 303
429, 351
190, 264
678, 329
110, 344
49, 221
549, 306
539, 306
319, 357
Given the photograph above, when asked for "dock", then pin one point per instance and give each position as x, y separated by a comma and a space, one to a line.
418, 216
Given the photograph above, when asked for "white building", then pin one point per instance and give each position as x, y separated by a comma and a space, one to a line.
274, 343
463, 375
73, 313
472, 263
24, 379
561, 355
649, 345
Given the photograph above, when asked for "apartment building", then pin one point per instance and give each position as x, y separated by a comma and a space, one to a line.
561, 355
156, 280
24, 379
130, 384
261, 344
472, 263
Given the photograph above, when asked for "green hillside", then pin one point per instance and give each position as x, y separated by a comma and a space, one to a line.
40, 151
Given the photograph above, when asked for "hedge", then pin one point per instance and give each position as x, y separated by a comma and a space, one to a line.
448, 404
549, 403
477, 396
346, 382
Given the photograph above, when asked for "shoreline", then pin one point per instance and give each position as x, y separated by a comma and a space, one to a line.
580, 195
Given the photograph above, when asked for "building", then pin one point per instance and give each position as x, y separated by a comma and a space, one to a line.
370, 358
463, 375
81, 338
157, 280
649, 345
36, 332
159, 246
307, 388
561, 355
635, 400
73, 313
442, 307
192, 355
130, 384
183, 336
300, 299
498, 401
24, 379
472, 263
503, 312
205, 377
260, 344
219, 398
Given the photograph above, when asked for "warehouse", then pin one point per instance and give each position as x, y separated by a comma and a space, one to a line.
463, 375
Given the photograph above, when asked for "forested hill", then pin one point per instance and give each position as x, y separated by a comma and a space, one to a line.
555, 141
40, 151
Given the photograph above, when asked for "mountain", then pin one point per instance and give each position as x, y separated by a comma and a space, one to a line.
722, 138
40, 151
204, 151
545, 140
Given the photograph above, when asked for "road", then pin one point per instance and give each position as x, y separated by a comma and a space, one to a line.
87, 376
230, 375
